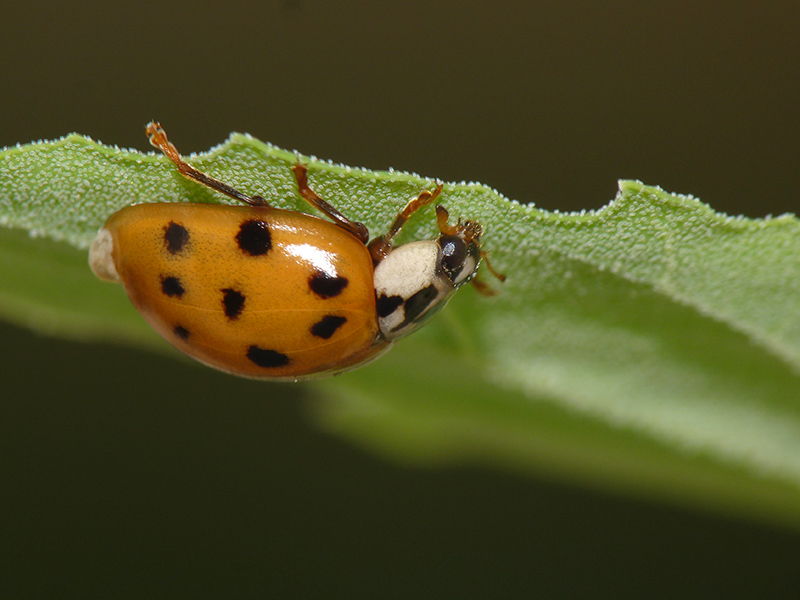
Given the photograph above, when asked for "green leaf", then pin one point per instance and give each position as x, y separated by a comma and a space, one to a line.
652, 346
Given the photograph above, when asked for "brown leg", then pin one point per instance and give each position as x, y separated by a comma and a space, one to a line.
483, 288
158, 138
442, 217
382, 245
359, 230
485, 257
402, 218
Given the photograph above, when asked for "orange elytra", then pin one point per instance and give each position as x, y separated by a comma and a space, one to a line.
268, 293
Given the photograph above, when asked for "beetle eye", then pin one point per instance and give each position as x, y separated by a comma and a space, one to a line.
454, 254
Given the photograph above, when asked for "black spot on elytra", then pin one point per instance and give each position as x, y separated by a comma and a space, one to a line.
419, 303
327, 326
172, 286
326, 285
232, 302
176, 237
181, 332
254, 237
386, 305
267, 358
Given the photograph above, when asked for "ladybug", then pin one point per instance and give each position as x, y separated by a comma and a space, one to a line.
268, 293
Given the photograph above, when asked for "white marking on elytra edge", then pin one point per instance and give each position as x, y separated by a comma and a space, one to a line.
100, 258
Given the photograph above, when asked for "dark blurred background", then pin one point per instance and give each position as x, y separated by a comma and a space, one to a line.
130, 475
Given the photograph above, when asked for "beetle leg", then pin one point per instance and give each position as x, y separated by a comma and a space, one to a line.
359, 230
158, 139
382, 245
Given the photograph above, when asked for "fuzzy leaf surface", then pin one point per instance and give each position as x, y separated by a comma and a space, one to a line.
652, 346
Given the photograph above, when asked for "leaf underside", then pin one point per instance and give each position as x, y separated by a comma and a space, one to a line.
652, 346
